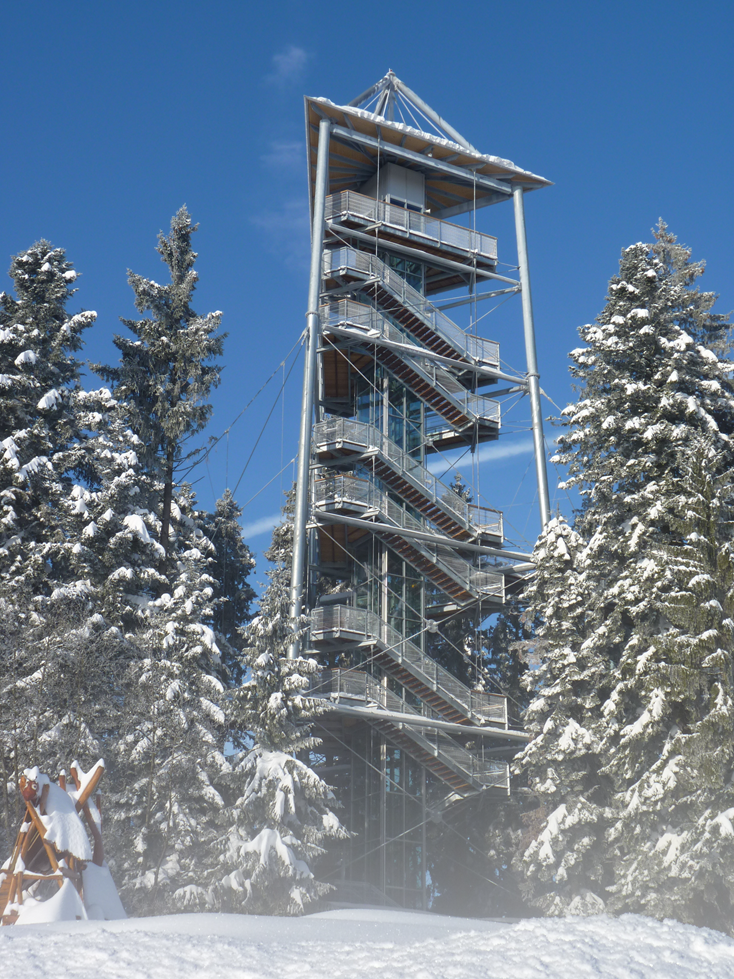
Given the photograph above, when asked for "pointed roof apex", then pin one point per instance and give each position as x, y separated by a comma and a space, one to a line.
392, 100
390, 123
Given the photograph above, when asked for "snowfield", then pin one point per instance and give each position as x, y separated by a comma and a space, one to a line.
365, 945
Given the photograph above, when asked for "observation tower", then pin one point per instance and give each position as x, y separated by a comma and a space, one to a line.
389, 562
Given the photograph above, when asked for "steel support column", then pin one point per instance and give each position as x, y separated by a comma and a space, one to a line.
300, 518
531, 357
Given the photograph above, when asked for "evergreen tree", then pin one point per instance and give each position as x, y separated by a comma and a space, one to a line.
230, 569
671, 716
649, 446
171, 761
165, 374
562, 860
283, 811
57, 678
39, 430
650, 384
61, 695
112, 541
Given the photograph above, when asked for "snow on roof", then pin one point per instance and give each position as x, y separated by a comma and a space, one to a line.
421, 134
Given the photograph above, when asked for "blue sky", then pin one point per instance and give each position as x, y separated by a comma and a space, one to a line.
116, 114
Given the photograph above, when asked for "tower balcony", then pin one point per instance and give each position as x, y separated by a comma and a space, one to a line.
340, 441
406, 306
442, 694
465, 770
435, 239
359, 499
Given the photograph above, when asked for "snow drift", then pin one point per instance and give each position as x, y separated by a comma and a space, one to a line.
365, 944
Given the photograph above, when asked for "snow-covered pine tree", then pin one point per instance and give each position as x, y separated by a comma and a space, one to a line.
170, 757
61, 693
165, 373
283, 813
57, 694
671, 715
651, 389
501, 645
39, 430
562, 856
113, 527
650, 384
171, 745
230, 569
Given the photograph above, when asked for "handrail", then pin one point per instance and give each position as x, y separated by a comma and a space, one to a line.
486, 772
475, 519
350, 203
370, 266
371, 322
366, 495
475, 704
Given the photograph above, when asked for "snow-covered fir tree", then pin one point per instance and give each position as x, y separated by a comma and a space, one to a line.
171, 752
562, 858
650, 384
160, 585
61, 690
166, 372
649, 447
283, 810
671, 715
233, 562
39, 430
112, 542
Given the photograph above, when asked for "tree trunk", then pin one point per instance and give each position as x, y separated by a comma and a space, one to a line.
167, 503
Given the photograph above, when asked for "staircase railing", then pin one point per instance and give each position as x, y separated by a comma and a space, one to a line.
370, 266
364, 625
477, 520
350, 204
366, 324
478, 770
366, 496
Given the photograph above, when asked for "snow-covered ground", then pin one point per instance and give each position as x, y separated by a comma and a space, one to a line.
365, 945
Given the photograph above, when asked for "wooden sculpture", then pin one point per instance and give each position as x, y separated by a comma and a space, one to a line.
53, 872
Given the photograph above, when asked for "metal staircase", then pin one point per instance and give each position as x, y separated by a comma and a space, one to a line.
465, 769
454, 574
463, 416
440, 690
341, 441
406, 306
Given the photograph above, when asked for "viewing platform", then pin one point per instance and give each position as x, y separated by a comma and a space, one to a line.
444, 247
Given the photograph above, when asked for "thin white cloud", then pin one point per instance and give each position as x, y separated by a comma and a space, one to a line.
288, 65
286, 231
503, 450
494, 452
257, 527
285, 155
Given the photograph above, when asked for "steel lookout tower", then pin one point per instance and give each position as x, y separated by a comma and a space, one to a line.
388, 560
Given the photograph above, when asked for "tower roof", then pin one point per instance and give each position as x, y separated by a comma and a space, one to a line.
390, 123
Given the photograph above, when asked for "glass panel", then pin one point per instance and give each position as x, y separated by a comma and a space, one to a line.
409, 270
413, 434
